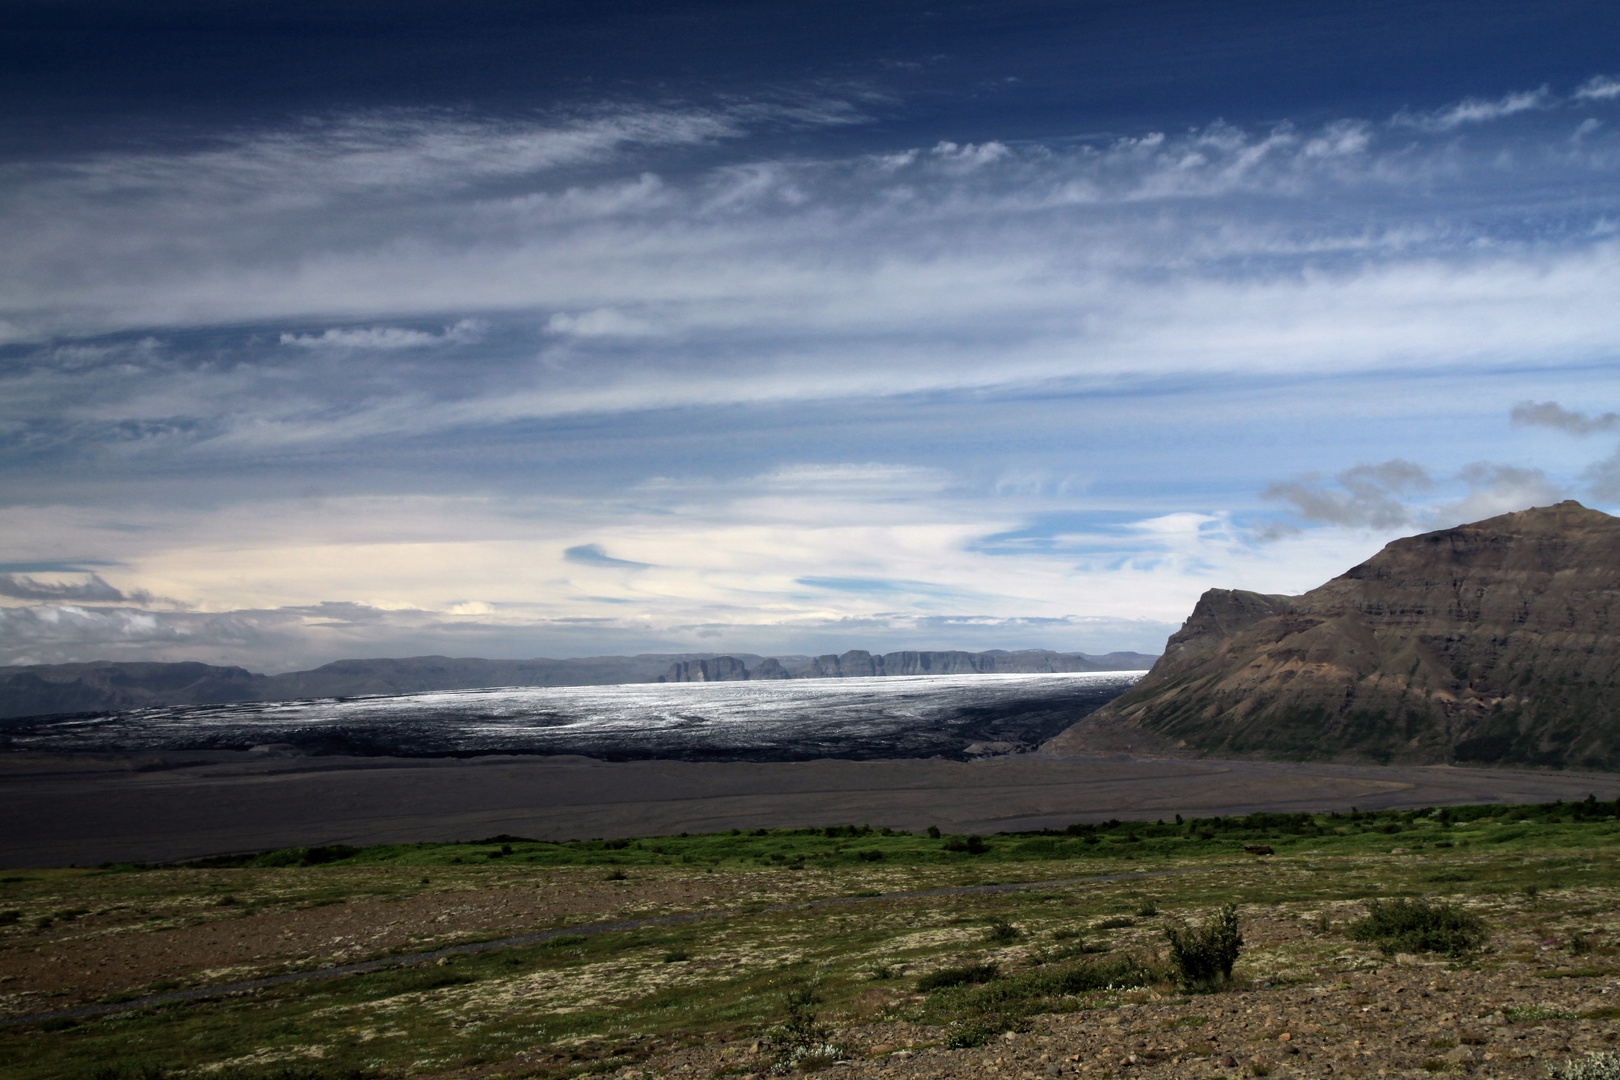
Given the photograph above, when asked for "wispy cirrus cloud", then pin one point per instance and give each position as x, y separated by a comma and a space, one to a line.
462, 377
1479, 110
1599, 88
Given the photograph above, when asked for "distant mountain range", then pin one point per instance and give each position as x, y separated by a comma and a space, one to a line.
108, 686
1496, 642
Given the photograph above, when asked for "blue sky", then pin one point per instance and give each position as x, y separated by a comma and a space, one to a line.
540, 329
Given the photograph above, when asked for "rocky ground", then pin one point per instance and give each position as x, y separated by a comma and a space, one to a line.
701, 1000
1410, 1019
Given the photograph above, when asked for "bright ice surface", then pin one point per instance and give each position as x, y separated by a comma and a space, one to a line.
893, 716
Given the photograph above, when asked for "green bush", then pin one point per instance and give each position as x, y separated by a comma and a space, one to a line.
1410, 926
1002, 932
799, 1041
957, 976
1204, 957
968, 1036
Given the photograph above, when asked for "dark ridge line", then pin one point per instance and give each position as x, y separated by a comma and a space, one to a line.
363, 967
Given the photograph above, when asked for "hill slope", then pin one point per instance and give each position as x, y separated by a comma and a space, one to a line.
1494, 642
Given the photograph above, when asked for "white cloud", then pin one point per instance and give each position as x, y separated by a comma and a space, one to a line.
1599, 88
743, 376
602, 322
386, 337
1479, 110
969, 157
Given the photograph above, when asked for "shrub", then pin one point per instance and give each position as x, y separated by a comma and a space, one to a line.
1148, 910
872, 856
968, 1036
798, 1039
1601, 1065
677, 955
957, 976
973, 845
1002, 932
1409, 926
1204, 957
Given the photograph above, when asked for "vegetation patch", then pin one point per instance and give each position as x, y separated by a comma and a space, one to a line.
1412, 926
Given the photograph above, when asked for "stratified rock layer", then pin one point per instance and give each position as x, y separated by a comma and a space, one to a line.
1493, 642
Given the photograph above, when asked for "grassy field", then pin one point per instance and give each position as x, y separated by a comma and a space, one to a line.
774, 973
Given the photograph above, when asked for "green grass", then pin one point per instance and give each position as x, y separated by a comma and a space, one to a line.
849, 845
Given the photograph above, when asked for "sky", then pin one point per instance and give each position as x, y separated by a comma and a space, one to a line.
514, 329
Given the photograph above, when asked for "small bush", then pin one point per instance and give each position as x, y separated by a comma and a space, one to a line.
677, 955
616, 875
1410, 926
798, 1039
1119, 922
1002, 932
1579, 944
1148, 910
563, 941
968, 1036
1204, 957
972, 845
957, 976
872, 856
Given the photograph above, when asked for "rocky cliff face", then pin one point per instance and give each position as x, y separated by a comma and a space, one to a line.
720, 669
1495, 642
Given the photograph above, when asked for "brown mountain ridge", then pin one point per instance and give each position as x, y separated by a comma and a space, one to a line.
1490, 643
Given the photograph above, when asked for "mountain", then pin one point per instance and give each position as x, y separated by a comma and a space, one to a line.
106, 686
1496, 642
858, 663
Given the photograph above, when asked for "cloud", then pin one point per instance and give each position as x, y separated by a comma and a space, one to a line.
1388, 497
1371, 496
1494, 489
596, 555
1604, 478
1479, 110
93, 591
881, 586
1057, 371
1599, 88
603, 322
969, 157
386, 337
1552, 415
